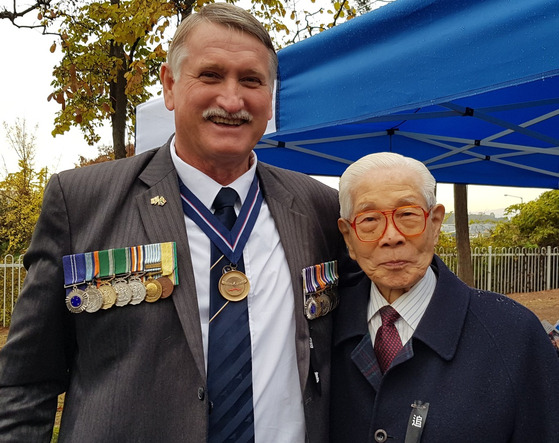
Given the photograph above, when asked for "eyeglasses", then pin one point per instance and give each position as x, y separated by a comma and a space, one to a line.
410, 221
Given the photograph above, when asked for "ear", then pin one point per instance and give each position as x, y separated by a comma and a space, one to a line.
345, 229
437, 218
271, 110
168, 81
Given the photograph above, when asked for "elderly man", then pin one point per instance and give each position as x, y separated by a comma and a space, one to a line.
201, 332
418, 355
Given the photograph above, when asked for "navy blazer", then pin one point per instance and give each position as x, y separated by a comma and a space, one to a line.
482, 362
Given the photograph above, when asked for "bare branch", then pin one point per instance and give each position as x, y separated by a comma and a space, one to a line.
13, 15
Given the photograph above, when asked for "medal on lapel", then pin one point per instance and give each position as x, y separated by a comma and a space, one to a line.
74, 276
94, 299
168, 265
94, 296
319, 289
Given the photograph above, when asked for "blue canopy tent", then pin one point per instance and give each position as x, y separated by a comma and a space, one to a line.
471, 88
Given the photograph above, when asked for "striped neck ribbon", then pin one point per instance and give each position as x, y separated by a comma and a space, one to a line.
230, 243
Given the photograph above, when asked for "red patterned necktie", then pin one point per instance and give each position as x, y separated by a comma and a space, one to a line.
387, 341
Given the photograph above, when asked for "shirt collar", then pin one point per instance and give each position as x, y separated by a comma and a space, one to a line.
411, 305
204, 187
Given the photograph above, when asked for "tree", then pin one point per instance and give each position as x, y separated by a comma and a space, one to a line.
104, 154
535, 223
21, 192
465, 269
112, 50
111, 56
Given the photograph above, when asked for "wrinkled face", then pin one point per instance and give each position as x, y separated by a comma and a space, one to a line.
223, 98
395, 262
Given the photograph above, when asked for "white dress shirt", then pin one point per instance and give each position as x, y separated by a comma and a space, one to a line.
277, 397
411, 306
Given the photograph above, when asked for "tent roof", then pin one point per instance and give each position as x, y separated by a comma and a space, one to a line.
469, 88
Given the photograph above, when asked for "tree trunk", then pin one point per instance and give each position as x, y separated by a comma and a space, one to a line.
119, 101
465, 269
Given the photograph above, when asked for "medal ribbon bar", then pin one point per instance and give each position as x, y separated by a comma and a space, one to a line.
131, 266
319, 295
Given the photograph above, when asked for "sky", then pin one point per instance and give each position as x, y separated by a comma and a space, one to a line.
26, 78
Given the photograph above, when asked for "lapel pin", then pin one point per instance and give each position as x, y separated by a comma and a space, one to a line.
158, 200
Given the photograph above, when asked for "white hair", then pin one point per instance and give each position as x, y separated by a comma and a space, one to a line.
383, 160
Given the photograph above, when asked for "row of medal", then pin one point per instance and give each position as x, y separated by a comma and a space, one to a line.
119, 277
320, 289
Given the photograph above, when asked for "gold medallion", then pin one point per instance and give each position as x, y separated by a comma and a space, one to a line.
234, 285
109, 295
153, 290
167, 286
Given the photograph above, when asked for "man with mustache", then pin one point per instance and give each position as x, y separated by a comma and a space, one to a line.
418, 355
227, 361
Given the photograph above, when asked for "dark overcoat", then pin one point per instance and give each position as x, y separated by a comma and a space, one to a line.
482, 362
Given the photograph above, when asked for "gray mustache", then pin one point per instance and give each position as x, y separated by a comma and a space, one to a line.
218, 112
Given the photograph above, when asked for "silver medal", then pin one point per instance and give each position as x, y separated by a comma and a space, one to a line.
312, 308
123, 292
76, 301
94, 299
138, 290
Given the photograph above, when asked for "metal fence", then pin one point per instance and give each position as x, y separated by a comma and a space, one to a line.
12, 274
509, 270
504, 270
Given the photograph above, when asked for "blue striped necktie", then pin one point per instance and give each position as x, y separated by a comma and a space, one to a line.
229, 352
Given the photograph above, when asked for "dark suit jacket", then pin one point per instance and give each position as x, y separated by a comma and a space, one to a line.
136, 373
482, 362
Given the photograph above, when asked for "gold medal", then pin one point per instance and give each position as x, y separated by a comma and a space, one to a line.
233, 285
109, 295
153, 290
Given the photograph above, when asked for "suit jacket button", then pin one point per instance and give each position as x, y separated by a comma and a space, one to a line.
201, 393
380, 435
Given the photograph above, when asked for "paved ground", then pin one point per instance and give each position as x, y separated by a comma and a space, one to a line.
545, 304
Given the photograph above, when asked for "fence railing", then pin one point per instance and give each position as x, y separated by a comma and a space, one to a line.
12, 274
504, 270
509, 270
